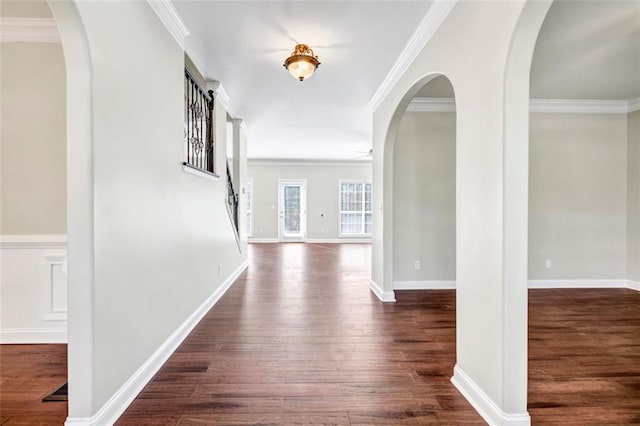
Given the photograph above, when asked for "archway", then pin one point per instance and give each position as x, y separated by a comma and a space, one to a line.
80, 242
424, 192
582, 212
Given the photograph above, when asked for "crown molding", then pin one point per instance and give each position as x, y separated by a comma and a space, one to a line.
29, 30
633, 105
579, 106
427, 27
171, 19
432, 105
244, 129
305, 162
575, 106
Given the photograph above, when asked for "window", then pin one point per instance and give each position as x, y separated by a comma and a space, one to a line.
249, 200
355, 208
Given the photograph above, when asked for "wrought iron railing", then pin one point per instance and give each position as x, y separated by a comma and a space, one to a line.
198, 125
232, 199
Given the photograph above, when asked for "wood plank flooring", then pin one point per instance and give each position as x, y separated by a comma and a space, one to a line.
299, 338
27, 374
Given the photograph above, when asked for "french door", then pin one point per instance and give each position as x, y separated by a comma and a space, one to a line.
292, 210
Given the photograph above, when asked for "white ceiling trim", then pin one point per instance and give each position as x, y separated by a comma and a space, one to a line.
579, 106
29, 30
244, 129
436, 14
171, 19
298, 163
432, 105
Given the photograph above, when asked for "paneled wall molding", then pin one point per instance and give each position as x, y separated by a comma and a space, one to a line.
171, 19
120, 400
436, 14
29, 30
576, 106
34, 289
44, 241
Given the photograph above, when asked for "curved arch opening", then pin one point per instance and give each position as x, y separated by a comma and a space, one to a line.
584, 202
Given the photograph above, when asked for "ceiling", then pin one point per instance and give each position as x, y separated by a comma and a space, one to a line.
587, 49
243, 44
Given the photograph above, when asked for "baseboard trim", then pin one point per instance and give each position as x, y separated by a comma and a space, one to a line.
484, 405
532, 284
633, 285
262, 240
577, 284
424, 285
339, 240
118, 403
21, 336
384, 296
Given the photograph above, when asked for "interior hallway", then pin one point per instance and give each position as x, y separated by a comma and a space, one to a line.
299, 338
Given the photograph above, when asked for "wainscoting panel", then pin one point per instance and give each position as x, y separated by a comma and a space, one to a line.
33, 289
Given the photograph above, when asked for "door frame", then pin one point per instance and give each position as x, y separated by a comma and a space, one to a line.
303, 209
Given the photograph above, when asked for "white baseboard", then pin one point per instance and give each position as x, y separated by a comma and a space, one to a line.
384, 296
314, 240
577, 284
262, 240
633, 285
339, 240
484, 405
19, 336
424, 285
118, 403
534, 284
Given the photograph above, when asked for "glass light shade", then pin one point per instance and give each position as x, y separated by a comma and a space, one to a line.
302, 63
301, 69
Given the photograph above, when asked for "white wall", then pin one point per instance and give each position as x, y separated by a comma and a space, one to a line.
322, 195
424, 197
33, 139
577, 209
163, 238
633, 197
33, 198
577, 196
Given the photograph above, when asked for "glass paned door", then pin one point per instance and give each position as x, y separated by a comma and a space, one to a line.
292, 210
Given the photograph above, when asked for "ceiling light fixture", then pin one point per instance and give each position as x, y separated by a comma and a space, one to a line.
302, 62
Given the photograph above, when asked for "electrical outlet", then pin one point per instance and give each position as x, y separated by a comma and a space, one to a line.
417, 264
547, 264
322, 231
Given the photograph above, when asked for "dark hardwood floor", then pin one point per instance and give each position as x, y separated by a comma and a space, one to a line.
27, 374
299, 338
584, 356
